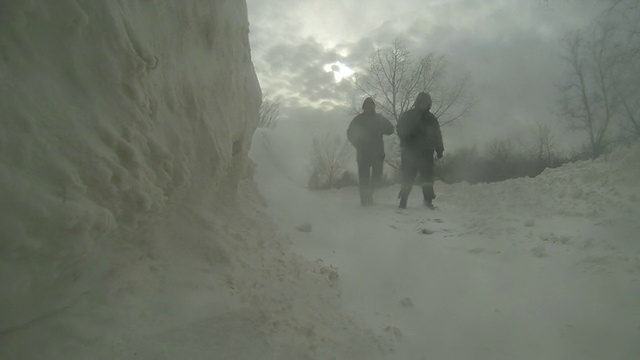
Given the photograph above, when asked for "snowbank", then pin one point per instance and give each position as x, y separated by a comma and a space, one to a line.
542, 268
123, 141
606, 188
110, 113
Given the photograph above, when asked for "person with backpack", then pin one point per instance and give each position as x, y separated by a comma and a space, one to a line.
365, 134
420, 136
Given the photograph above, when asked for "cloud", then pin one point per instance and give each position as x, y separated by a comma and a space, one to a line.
509, 48
300, 70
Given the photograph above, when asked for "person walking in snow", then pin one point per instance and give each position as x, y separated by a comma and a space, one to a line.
420, 136
365, 134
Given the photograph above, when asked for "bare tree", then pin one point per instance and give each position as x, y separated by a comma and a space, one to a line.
394, 77
626, 6
628, 92
545, 145
604, 87
627, 13
543, 150
589, 100
329, 156
501, 151
269, 112
502, 160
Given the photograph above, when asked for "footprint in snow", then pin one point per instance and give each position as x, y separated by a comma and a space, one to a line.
538, 252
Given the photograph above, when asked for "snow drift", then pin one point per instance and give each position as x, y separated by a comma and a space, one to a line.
110, 112
123, 143
530, 268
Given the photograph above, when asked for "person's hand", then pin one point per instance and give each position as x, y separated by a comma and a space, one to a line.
439, 155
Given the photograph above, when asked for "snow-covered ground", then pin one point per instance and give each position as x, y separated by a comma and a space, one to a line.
542, 268
131, 228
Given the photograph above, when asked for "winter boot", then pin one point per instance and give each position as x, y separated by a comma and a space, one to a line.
403, 202
363, 198
403, 196
428, 195
370, 197
366, 197
429, 204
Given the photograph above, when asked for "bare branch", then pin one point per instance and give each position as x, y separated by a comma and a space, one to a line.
601, 84
269, 112
329, 157
394, 78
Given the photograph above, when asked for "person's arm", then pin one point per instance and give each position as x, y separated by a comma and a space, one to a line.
354, 132
386, 127
439, 142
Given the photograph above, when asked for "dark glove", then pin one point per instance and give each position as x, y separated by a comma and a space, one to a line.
439, 155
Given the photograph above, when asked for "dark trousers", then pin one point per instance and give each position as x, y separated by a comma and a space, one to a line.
418, 166
369, 173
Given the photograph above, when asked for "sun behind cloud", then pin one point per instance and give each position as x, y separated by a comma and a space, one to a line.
339, 70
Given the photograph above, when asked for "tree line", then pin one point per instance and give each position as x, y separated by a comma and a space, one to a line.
599, 98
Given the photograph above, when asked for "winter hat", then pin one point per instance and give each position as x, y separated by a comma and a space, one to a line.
423, 98
368, 100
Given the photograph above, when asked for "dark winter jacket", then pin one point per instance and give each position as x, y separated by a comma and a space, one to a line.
419, 132
365, 133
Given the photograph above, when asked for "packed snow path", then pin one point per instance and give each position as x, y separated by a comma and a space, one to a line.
481, 277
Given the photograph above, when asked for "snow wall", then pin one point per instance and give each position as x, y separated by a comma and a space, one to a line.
112, 112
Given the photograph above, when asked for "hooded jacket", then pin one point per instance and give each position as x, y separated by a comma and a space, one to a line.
365, 134
419, 132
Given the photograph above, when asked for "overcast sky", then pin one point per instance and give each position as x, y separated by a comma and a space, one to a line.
305, 51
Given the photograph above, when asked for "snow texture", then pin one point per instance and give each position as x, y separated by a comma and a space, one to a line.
131, 227
108, 117
533, 268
